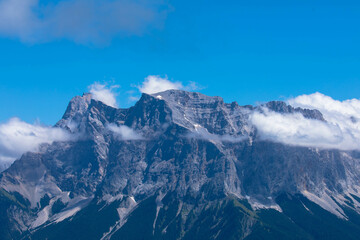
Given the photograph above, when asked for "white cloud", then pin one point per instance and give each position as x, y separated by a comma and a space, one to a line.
133, 98
192, 86
344, 113
340, 131
18, 137
124, 132
103, 93
154, 84
17, 17
82, 21
202, 133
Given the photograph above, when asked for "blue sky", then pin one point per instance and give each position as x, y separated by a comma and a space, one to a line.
244, 51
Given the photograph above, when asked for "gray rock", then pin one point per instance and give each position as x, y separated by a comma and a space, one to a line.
193, 146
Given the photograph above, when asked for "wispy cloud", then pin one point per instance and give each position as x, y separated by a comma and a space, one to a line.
124, 132
154, 84
81, 21
104, 93
18, 137
340, 131
202, 133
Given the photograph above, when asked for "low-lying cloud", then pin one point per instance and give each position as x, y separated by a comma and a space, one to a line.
345, 113
202, 133
81, 21
340, 131
124, 132
18, 137
104, 93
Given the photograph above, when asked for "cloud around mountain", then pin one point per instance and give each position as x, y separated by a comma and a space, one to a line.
82, 21
18, 137
104, 93
341, 130
124, 132
107, 94
154, 84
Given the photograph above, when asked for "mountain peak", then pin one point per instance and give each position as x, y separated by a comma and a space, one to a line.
282, 107
78, 105
186, 97
175, 154
201, 113
84, 110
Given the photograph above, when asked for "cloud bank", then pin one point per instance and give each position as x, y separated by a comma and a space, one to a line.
104, 93
340, 131
154, 84
81, 21
124, 132
18, 137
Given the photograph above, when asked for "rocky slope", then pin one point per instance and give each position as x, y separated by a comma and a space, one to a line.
178, 165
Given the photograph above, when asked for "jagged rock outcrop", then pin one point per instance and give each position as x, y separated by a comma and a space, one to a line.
177, 165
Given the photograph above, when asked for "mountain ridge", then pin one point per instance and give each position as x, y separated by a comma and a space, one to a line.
175, 154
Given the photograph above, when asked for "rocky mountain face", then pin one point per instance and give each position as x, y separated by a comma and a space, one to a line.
178, 165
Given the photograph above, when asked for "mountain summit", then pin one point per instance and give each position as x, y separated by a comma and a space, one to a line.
179, 165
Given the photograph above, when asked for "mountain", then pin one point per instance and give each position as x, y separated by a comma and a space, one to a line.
178, 165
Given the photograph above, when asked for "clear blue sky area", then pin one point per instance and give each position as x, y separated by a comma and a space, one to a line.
244, 51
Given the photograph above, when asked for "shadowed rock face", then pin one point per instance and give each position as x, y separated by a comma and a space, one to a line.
196, 157
282, 107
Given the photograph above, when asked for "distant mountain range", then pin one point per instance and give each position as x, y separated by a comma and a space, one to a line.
178, 165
